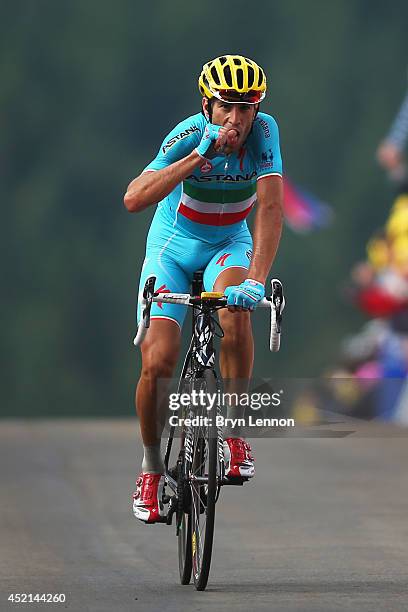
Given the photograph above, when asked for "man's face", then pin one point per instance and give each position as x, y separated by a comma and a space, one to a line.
236, 116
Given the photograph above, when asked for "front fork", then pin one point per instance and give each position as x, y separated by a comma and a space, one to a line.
184, 469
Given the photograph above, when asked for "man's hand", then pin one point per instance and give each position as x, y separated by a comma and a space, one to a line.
217, 140
244, 296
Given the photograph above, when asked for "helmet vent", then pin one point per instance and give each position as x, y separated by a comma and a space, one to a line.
240, 78
251, 76
214, 75
260, 78
227, 76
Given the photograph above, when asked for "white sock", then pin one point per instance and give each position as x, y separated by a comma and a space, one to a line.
234, 412
152, 460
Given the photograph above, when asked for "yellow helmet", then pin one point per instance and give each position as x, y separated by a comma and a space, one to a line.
233, 78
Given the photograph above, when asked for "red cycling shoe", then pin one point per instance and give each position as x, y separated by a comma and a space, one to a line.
147, 499
239, 461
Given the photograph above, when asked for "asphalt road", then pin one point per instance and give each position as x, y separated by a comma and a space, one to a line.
322, 527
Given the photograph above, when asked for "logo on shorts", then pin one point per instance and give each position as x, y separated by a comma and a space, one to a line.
221, 260
248, 253
162, 289
206, 167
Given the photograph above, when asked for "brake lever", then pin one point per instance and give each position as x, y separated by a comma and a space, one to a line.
146, 305
278, 300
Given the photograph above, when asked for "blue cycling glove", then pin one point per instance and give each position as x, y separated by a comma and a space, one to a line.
247, 294
206, 147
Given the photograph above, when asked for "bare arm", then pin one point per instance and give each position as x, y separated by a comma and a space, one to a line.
151, 187
267, 227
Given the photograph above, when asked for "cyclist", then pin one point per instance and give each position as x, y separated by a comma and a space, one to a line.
210, 171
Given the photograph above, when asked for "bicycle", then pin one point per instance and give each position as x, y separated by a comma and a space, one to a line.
196, 480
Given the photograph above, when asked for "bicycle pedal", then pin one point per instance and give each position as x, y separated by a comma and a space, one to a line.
235, 481
161, 519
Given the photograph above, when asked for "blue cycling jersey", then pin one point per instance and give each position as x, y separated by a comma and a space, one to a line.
213, 202
201, 223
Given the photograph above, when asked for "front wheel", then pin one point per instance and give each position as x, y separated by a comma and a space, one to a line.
203, 485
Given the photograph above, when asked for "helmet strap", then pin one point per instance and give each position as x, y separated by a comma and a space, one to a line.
210, 109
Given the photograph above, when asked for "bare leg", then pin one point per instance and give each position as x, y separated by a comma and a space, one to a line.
237, 346
160, 352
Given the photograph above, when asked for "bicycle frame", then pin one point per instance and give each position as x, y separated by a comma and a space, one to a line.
200, 356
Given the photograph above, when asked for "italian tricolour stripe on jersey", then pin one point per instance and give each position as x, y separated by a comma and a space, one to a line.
216, 206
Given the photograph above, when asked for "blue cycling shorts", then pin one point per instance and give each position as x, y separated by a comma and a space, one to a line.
173, 255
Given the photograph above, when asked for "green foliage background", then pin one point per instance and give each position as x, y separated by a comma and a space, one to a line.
89, 89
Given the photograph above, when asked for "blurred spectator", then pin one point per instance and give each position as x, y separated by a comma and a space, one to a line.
376, 358
371, 378
381, 282
390, 153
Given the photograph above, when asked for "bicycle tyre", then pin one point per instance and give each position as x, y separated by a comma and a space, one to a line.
184, 549
184, 528
203, 496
